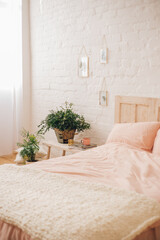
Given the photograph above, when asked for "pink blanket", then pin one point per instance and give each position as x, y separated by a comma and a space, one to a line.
115, 164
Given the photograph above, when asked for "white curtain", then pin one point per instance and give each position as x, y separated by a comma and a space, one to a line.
10, 74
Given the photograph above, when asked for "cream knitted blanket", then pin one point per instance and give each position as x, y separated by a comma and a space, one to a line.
53, 207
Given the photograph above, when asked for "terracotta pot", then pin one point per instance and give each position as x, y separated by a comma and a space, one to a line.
63, 136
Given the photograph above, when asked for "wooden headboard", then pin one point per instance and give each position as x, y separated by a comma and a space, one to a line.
136, 109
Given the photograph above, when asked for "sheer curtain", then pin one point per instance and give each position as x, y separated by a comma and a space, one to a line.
10, 74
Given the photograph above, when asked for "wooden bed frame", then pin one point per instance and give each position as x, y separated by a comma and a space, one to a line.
136, 109
139, 109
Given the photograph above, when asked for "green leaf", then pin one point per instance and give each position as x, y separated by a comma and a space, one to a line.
63, 119
30, 144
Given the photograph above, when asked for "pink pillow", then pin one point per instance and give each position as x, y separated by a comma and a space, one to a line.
140, 135
156, 146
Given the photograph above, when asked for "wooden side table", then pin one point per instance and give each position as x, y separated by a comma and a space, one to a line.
64, 147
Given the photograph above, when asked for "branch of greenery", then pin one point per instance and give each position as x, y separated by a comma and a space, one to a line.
30, 144
63, 119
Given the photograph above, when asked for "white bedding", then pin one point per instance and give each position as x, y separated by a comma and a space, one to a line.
51, 206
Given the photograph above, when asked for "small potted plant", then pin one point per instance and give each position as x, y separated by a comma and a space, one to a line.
65, 123
30, 145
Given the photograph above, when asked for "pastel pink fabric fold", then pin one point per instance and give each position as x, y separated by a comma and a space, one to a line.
139, 134
156, 146
11, 232
115, 164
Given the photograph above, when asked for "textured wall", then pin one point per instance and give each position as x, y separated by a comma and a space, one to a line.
132, 29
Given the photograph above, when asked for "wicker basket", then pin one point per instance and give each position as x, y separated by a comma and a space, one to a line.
63, 136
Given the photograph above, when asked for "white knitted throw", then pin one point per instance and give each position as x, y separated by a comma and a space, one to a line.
53, 207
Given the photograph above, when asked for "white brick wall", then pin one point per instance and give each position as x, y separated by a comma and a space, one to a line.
132, 29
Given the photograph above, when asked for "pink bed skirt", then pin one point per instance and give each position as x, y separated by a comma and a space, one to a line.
10, 232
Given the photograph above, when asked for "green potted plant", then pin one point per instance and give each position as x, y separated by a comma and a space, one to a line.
65, 122
30, 145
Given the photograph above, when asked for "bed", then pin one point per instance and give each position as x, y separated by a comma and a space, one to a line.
111, 192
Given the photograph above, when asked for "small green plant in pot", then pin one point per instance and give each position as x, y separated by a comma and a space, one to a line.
30, 145
65, 122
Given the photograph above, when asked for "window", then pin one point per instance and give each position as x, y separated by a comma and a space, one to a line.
10, 42
10, 74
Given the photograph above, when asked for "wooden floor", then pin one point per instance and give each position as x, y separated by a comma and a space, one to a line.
7, 159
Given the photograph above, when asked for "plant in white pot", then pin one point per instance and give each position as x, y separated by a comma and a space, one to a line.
65, 123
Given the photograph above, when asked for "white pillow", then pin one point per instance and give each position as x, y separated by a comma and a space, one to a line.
19, 159
18, 150
41, 153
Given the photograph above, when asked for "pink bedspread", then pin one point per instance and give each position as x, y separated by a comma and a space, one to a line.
114, 164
